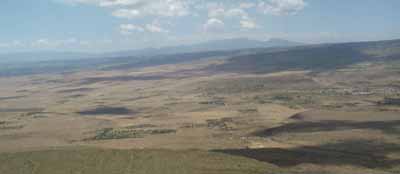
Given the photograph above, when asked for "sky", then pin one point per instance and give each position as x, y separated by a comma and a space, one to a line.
111, 25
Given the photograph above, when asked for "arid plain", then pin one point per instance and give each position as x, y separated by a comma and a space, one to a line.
343, 120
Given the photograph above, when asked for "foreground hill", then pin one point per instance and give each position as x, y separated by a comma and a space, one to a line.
96, 161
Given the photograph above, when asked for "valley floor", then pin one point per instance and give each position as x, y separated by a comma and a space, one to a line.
201, 121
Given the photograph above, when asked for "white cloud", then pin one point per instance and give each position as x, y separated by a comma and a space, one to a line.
220, 11
61, 43
127, 29
109, 3
74, 2
248, 24
222, 15
216, 12
126, 13
236, 15
135, 8
236, 12
246, 5
155, 28
42, 43
213, 24
173, 8
282, 7
131, 27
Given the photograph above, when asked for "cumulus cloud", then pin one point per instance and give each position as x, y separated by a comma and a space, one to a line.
135, 8
248, 24
216, 12
127, 29
109, 3
246, 5
236, 12
235, 15
155, 28
126, 13
220, 13
173, 8
282, 7
213, 24
74, 2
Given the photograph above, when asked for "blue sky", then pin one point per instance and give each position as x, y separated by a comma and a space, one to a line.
109, 25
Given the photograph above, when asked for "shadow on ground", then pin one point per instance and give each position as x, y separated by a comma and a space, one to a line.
356, 153
389, 127
106, 110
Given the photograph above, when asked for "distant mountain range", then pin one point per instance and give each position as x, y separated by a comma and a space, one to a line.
215, 45
24, 57
319, 57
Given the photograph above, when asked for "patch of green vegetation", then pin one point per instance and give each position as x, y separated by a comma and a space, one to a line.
40, 116
193, 125
223, 123
11, 127
12, 97
282, 97
216, 102
393, 65
6, 125
98, 161
128, 132
140, 126
251, 110
292, 100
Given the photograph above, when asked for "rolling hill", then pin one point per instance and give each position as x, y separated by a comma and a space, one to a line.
314, 57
